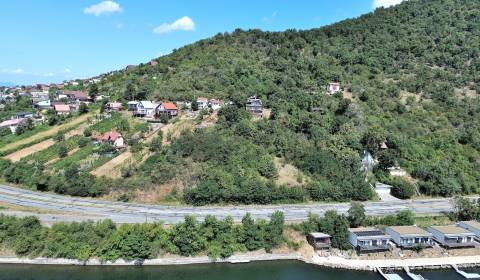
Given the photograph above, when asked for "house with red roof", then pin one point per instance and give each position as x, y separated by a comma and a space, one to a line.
62, 109
168, 108
74, 95
112, 137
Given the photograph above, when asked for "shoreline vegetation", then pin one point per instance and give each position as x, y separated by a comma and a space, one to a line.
221, 241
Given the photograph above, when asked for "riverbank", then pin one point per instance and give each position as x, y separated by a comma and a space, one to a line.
237, 258
414, 263
330, 262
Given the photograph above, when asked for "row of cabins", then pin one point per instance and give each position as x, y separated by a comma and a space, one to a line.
371, 239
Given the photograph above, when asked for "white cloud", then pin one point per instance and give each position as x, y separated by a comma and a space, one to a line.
184, 23
13, 71
67, 71
271, 17
386, 3
103, 8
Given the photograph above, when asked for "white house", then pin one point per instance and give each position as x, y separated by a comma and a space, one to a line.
146, 109
333, 88
453, 236
472, 226
202, 103
216, 104
410, 236
368, 239
13, 124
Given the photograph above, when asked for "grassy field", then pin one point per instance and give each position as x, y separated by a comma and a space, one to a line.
11, 138
43, 135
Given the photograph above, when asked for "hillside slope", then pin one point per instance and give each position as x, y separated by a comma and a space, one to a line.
410, 78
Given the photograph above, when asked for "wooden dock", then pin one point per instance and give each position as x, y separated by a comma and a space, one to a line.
466, 274
413, 275
388, 276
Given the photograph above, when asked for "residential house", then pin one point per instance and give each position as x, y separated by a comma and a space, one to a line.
153, 62
369, 239
254, 105
23, 115
216, 104
319, 240
472, 226
202, 103
145, 109
112, 137
453, 236
132, 106
75, 96
410, 236
333, 88
13, 124
42, 104
168, 108
62, 109
113, 107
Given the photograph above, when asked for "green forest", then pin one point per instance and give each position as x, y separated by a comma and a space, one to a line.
410, 79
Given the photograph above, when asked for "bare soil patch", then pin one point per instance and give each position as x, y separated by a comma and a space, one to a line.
289, 174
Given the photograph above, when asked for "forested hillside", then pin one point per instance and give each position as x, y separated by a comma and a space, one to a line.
410, 79
410, 76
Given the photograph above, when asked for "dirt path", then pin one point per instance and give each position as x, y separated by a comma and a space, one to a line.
48, 133
18, 155
112, 169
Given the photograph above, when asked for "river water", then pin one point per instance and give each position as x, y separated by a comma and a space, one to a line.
278, 270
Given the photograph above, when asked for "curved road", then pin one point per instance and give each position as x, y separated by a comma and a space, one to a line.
50, 208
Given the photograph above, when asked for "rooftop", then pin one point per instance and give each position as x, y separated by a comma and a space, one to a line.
451, 230
319, 235
367, 231
473, 224
61, 108
12, 122
409, 230
169, 106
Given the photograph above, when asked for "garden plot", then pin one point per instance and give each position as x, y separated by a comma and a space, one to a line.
18, 155
45, 134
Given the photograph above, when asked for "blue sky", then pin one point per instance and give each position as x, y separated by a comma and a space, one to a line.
53, 40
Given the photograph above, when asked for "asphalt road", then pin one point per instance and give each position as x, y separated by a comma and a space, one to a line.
50, 208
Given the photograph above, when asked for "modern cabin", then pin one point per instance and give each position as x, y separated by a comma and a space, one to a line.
410, 236
369, 239
453, 236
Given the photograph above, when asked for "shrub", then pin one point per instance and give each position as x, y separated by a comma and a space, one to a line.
401, 188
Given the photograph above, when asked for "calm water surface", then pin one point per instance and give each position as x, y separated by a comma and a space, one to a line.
282, 270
